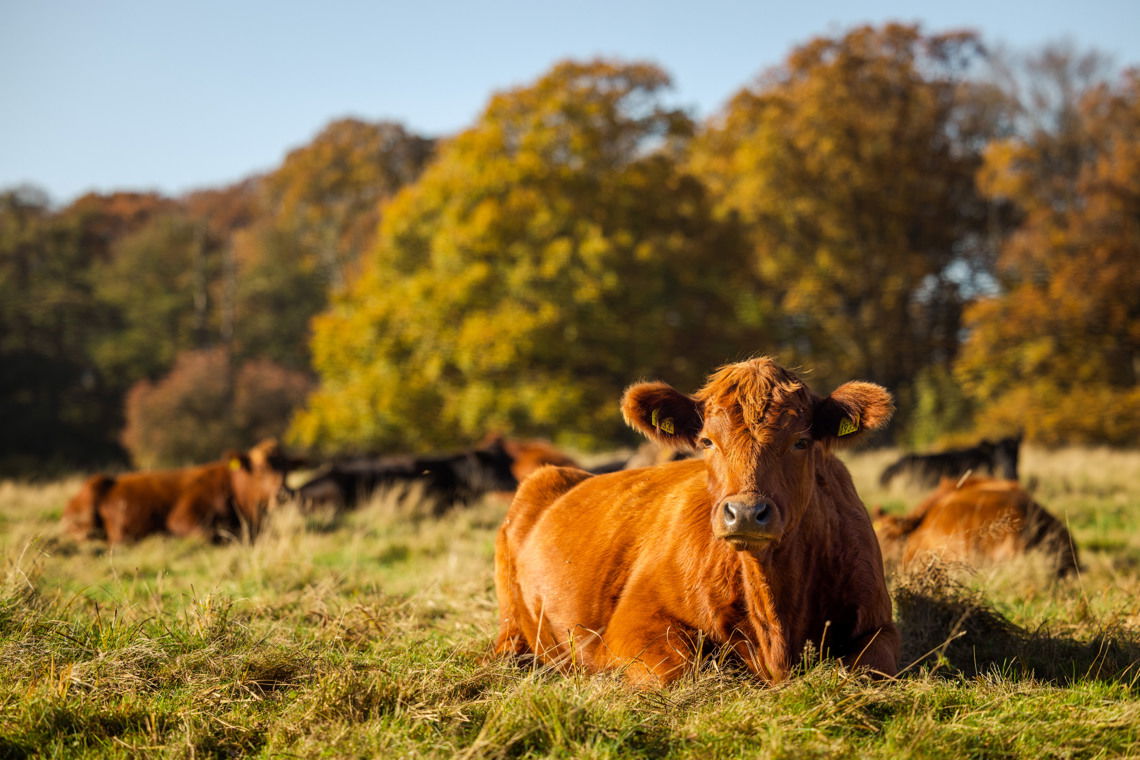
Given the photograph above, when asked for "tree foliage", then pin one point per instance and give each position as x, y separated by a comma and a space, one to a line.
158, 285
1057, 351
852, 165
844, 211
327, 194
107, 291
320, 212
277, 290
205, 406
58, 404
553, 252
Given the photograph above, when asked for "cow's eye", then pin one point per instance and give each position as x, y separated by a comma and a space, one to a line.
802, 443
705, 443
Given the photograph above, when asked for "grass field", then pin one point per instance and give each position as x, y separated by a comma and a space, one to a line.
366, 636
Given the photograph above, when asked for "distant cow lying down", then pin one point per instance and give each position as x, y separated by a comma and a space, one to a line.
648, 454
447, 479
760, 547
987, 457
213, 500
981, 521
528, 454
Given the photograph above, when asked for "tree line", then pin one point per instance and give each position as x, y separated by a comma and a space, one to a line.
886, 204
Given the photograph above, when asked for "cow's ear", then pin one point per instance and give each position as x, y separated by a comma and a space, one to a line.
237, 461
662, 414
851, 409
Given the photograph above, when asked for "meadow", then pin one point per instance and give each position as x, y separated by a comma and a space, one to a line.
367, 634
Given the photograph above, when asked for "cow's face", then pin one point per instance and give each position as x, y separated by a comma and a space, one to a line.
764, 433
258, 478
892, 532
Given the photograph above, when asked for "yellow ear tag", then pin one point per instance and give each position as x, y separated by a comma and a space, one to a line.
665, 425
847, 427
235, 464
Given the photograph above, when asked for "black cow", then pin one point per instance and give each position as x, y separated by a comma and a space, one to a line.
987, 457
648, 454
447, 479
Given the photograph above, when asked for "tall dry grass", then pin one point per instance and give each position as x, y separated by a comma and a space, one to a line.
366, 634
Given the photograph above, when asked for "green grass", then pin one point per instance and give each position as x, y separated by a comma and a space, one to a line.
367, 636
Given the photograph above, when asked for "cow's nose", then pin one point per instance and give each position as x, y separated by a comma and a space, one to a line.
746, 517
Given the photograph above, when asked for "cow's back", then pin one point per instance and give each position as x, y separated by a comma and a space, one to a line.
139, 503
968, 525
574, 541
988, 521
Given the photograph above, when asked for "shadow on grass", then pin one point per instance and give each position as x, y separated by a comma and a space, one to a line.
948, 628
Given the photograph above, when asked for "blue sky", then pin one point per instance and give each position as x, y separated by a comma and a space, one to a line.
107, 94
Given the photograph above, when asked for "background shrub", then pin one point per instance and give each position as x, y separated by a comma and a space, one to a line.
205, 405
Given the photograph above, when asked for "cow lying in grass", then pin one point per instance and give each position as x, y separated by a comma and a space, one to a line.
648, 454
761, 547
528, 454
977, 521
987, 457
215, 500
447, 479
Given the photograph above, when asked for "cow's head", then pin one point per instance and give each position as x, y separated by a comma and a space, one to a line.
258, 478
764, 434
490, 466
892, 532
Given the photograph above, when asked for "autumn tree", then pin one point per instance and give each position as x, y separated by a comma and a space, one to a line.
36, 377
277, 289
193, 414
554, 252
98, 221
313, 217
58, 404
173, 282
228, 209
852, 165
1057, 350
269, 284
327, 193
109, 290
158, 284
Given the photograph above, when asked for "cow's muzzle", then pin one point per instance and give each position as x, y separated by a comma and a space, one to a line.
745, 521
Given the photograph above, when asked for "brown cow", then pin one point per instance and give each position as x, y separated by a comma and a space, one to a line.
976, 521
210, 500
528, 454
762, 546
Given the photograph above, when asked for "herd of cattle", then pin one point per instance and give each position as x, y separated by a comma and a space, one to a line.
759, 543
